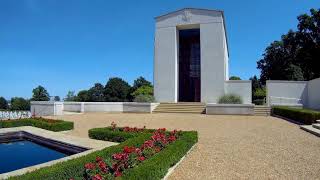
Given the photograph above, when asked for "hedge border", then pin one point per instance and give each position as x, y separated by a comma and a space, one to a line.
56, 125
304, 116
155, 167
108, 134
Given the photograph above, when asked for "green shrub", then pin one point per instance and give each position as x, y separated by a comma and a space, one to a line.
19, 104
51, 125
144, 98
145, 90
155, 167
260, 93
305, 116
107, 134
230, 99
259, 101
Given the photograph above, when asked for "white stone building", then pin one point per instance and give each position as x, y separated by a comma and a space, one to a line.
191, 58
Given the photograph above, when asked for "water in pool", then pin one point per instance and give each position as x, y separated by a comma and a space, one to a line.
20, 154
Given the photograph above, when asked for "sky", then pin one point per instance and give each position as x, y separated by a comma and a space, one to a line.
71, 44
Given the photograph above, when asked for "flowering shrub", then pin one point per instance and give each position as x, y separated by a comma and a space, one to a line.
129, 157
126, 129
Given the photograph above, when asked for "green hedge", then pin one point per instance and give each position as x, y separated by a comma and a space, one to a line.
51, 125
107, 134
305, 116
155, 167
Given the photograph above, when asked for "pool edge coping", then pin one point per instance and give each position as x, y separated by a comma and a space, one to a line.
91, 144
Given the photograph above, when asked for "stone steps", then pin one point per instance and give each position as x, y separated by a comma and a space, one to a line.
185, 107
262, 110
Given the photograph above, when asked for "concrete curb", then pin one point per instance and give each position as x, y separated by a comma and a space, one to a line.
170, 170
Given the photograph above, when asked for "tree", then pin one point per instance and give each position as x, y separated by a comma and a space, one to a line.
19, 103
117, 90
40, 94
96, 93
3, 103
70, 96
296, 56
140, 81
234, 78
56, 98
143, 90
255, 83
83, 96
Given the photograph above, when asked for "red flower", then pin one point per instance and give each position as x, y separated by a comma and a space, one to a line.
115, 167
138, 151
90, 166
141, 158
103, 166
129, 150
120, 156
117, 174
172, 138
157, 149
98, 159
148, 144
97, 177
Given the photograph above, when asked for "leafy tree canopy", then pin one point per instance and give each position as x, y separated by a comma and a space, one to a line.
70, 96
297, 55
234, 78
40, 94
117, 90
3, 103
96, 93
143, 90
56, 98
140, 81
19, 103
83, 96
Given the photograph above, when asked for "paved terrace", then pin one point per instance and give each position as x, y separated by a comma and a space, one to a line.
230, 147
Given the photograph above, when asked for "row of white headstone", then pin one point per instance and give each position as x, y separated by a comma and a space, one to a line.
4, 115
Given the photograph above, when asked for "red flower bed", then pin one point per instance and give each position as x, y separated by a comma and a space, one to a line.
127, 129
129, 157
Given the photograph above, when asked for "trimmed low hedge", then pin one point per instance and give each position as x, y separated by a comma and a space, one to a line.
155, 167
305, 116
51, 125
108, 134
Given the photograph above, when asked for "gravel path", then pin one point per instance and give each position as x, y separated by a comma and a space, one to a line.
230, 147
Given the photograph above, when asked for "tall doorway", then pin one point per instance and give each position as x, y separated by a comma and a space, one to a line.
189, 65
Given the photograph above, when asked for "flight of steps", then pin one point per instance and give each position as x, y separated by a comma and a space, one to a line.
185, 107
262, 110
314, 128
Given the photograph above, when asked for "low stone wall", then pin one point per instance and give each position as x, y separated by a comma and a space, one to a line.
73, 106
241, 88
230, 109
139, 107
48, 108
103, 107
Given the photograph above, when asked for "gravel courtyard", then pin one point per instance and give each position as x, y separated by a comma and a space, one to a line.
230, 147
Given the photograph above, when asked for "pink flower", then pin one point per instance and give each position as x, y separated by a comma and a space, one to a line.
172, 138
117, 174
97, 177
103, 166
148, 144
90, 166
141, 158
98, 159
